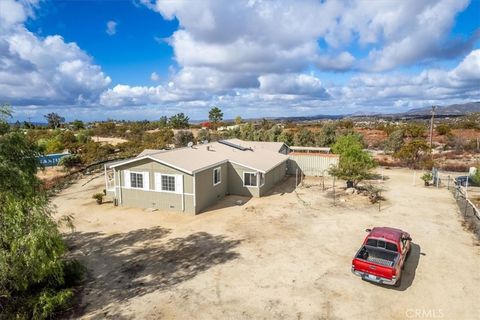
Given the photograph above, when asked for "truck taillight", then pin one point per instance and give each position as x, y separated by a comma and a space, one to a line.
394, 272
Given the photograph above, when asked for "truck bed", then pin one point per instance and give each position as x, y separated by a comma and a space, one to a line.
378, 256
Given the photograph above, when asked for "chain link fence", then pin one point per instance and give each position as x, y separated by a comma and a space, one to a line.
468, 209
466, 197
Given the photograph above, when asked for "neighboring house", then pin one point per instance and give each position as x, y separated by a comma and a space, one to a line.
194, 178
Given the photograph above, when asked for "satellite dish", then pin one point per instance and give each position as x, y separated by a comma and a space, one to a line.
190, 144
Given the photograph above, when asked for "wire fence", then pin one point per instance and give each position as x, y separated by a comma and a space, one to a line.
467, 198
466, 206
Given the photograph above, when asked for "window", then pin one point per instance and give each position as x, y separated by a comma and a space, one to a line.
382, 244
217, 176
249, 179
168, 183
136, 180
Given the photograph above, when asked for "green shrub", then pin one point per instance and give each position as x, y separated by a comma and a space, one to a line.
70, 161
73, 272
443, 129
476, 176
50, 301
427, 177
98, 197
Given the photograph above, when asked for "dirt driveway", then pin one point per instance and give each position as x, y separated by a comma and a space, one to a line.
284, 256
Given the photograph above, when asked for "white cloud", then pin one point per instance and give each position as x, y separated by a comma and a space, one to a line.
255, 57
111, 28
293, 84
294, 93
282, 37
154, 76
43, 71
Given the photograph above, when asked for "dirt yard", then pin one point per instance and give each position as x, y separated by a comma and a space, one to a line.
284, 256
109, 140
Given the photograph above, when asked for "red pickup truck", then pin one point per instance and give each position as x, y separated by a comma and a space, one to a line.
382, 255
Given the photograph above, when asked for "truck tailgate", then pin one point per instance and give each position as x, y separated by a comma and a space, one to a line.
373, 269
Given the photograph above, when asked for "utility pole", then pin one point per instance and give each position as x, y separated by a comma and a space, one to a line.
431, 126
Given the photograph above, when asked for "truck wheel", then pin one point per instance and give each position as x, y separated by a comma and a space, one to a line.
408, 253
398, 283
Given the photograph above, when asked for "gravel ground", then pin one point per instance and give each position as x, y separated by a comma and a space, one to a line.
284, 256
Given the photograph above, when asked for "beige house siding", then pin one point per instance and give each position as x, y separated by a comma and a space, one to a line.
272, 177
199, 192
208, 194
152, 198
235, 181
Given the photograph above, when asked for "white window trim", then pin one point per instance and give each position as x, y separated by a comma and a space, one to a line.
143, 173
220, 174
175, 183
256, 178
259, 179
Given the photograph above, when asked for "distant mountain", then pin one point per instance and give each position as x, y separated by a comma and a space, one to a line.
451, 110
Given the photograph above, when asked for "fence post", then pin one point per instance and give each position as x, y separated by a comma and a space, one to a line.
296, 178
334, 191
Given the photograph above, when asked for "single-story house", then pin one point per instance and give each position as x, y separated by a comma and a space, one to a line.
194, 178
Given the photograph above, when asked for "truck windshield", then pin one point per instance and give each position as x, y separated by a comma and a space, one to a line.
382, 244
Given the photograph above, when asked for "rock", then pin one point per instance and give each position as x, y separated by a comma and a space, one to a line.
350, 191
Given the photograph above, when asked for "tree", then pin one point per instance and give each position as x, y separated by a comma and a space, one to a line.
238, 120
443, 129
54, 120
273, 133
259, 135
304, 138
94, 151
163, 123
326, 136
414, 130
5, 114
182, 138
215, 115
476, 176
265, 124
247, 132
394, 141
54, 146
355, 164
286, 137
78, 125
203, 135
345, 124
179, 121
70, 161
33, 272
412, 152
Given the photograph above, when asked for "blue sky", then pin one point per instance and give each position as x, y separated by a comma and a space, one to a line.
140, 59
128, 56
